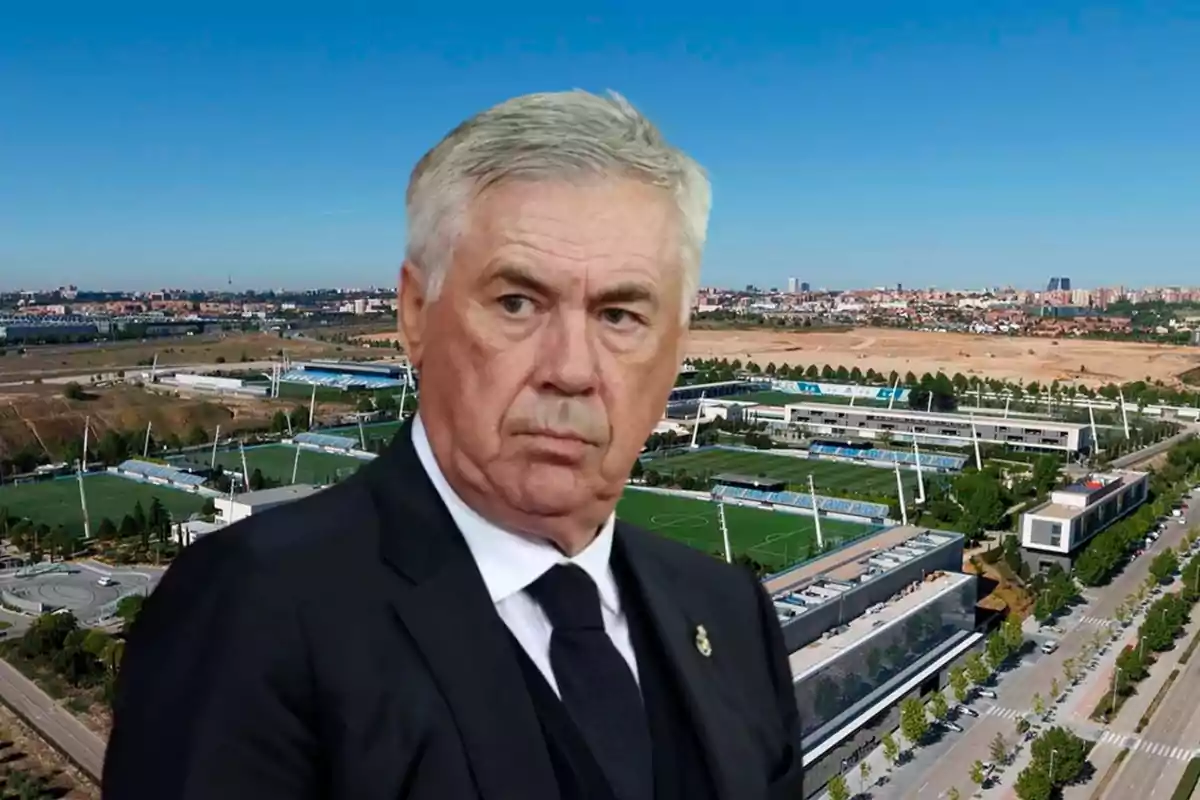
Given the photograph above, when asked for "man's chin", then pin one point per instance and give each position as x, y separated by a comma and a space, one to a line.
545, 488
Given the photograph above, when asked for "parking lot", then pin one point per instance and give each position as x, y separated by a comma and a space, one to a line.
88, 589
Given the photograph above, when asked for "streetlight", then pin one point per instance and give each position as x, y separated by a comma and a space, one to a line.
1053, 753
1116, 678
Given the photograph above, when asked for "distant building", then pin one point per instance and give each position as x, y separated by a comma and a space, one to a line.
1061, 284
251, 503
1056, 531
793, 285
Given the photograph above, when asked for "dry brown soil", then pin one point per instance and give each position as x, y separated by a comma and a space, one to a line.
1080, 361
54, 360
29, 753
40, 415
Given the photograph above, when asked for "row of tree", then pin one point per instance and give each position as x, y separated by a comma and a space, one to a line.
1059, 758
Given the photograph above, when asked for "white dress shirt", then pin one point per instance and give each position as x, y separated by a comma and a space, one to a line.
509, 563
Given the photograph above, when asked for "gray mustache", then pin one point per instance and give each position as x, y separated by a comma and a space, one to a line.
566, 418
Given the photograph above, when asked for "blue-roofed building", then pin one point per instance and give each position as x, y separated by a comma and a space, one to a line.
325, 441
347, 375
161, 474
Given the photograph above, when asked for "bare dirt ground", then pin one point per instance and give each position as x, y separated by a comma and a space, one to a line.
39, 415
29, 753
1079, 361
48, 361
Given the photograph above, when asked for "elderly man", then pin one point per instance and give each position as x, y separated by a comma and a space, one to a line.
464, 618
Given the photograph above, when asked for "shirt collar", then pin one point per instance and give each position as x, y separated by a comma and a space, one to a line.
508, 561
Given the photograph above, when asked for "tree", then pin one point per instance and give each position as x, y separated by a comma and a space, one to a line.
1039, 705
1070, 754
977, 773
1011, 631
1070, 670
891, 750
938, 707
128, 527
73, 391
197, 436
913, 722
1164, 566
977, 671
864, 775
1034, 784
256, 480
953, 794
998, 749
997, 651
107, 530
837, 788
959, 683
1055, 689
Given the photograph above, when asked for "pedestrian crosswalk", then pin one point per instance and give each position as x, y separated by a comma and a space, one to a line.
1099, 622
1136, 744
1004, 713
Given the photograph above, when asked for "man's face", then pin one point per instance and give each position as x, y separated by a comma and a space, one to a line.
550, 351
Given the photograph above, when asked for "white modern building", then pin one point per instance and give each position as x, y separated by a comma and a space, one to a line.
1056, 531
250, 503
835, 419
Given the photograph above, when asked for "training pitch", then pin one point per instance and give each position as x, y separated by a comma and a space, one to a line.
775, 539
832, 478
373, 431
275, 462
56, 502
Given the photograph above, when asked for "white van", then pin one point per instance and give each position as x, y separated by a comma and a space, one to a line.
1049, 647
106, 581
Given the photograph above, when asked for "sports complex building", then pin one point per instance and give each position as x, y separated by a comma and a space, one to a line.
347, 375
880, 620
1056, 531
935, 427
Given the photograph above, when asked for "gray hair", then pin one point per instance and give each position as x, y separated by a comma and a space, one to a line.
549, 136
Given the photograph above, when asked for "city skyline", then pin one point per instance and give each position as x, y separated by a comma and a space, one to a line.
848, 147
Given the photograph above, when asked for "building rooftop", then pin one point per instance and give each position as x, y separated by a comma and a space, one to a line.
852, 562
1074, 499
280, 494
814, 656
939, 416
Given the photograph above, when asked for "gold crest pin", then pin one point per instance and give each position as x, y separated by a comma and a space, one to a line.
703, 645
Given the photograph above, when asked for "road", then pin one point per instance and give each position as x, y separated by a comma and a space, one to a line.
1156, 762
1147, 453
931, 775
53, 722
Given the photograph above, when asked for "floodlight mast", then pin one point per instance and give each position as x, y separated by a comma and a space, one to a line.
812, 498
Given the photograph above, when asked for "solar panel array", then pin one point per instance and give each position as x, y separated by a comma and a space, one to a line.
147, 469
836, 505
326, 440
938, 460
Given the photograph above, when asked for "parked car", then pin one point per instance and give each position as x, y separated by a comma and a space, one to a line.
970, 712
1049, 647
988, 693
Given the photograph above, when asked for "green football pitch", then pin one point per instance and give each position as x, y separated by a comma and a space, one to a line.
56, 502
775, 539
275, 462
375, 430
832, 478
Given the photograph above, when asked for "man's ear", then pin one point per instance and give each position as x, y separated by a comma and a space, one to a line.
411, 310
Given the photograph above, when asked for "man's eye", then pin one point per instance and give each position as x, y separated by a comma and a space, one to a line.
620, 317
516, 305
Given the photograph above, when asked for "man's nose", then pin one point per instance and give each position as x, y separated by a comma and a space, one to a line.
568, 354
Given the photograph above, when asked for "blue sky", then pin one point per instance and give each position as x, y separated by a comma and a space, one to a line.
850, 143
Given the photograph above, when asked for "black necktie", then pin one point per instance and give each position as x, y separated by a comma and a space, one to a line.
595, 682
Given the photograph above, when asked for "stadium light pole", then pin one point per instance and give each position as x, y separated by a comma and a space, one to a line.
1124, 412
404, 393
212, 464
975, 442
892, 396
1095, 437
87, 525
696, 424
812, 496
288, 417
900, 492
1007, 401
724, 530
245, 469
920, 474
146, 443
312, 407
295, 464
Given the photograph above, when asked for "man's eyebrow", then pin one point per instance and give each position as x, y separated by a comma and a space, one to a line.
519, 277
630, 292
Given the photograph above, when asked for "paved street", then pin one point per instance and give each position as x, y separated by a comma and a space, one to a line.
55, 724
938, 767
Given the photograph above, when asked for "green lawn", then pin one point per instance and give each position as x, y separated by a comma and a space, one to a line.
773, 538
374, 430
832, 478
56, 502
275, 462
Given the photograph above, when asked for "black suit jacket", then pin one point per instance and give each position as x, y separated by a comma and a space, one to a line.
344, 647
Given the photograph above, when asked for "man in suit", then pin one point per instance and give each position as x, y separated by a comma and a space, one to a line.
465, 618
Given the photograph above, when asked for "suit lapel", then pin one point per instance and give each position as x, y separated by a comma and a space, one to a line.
676, 630
441, 601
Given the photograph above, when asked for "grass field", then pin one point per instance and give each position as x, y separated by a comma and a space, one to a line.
832, 478
375, 430
57, 502
775, 539
275, 462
